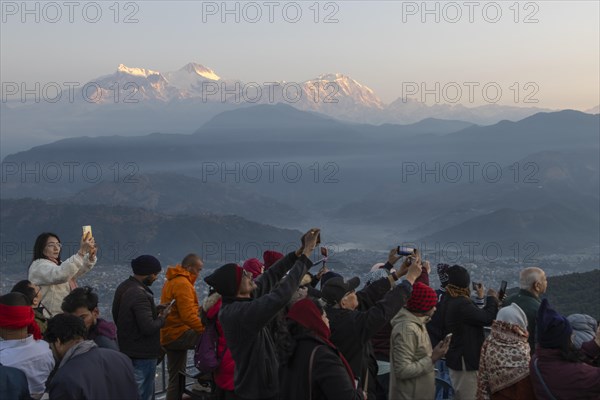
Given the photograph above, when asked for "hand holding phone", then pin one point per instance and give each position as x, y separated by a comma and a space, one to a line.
87, 230
502, 291
448, 337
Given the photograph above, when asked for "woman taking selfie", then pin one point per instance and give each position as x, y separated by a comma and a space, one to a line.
56, 278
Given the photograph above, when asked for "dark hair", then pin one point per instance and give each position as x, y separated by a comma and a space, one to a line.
40, 245
65, 327
80, 297
24, 287
288, 333
14, 299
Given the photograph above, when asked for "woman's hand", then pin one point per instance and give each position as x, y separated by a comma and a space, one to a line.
87, 245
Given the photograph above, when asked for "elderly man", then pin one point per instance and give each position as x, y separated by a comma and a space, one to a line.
533, 283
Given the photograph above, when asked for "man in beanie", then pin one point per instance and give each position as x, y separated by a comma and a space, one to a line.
556, 369
19, 348
465, 321
533, 284
270, 257
139, 321
355, 317
247, 308
412, 358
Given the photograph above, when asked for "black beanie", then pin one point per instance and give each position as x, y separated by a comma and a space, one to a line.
226, 279
145, 265
458, 276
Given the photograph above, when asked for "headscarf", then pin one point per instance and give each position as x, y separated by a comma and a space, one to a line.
306, 313
504, 361
17, 317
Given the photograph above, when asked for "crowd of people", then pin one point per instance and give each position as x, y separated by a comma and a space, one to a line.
288, 328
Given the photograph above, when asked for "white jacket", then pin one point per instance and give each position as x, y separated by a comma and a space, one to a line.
53, 279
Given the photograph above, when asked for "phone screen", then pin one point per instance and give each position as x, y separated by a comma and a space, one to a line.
86, 229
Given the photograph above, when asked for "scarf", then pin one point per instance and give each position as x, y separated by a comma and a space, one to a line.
306, 313
455, 291
505, 356
79, 348
17, 317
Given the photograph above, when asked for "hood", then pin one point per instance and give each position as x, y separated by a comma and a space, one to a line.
106, 329
210, 301
306, 313
178, 270
584, 328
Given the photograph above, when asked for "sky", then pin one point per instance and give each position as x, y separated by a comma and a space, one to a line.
542, 53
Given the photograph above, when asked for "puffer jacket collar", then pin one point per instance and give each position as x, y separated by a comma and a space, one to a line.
178, 270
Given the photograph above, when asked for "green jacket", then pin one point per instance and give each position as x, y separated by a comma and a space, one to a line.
529, 303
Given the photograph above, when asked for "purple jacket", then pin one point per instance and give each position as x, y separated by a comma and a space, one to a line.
564, 379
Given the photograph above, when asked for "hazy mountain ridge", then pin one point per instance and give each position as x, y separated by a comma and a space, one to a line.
125, 232
548, 165
171, 193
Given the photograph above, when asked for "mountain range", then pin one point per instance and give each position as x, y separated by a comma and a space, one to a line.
136, 101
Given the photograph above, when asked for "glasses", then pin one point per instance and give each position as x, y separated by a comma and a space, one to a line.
54, 244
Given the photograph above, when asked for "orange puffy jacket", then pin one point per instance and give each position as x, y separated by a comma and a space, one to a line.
185, 313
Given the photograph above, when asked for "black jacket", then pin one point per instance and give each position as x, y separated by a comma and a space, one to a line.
465, 321
138, 323
328, 379
435, 327
352, 330
244, 323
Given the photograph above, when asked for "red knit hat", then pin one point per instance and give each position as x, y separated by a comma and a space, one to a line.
254, 266
422, 299
271, 257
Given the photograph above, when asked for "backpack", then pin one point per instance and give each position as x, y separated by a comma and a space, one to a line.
206, 357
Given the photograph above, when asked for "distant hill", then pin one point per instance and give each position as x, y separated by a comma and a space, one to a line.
552, 228
577, 293
123, 233
172, 193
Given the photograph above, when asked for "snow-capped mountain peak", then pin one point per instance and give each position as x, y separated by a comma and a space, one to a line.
143, 72
198, 69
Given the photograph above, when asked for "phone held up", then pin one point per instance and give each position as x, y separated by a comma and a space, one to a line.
502, 290
405, 251
87, 229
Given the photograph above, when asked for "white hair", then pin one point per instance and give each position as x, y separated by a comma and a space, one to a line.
529, 276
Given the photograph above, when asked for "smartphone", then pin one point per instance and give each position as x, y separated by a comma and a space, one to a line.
171, 303
324, 252
405, 251
448, 337
474, 285
502, 289
86, 229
